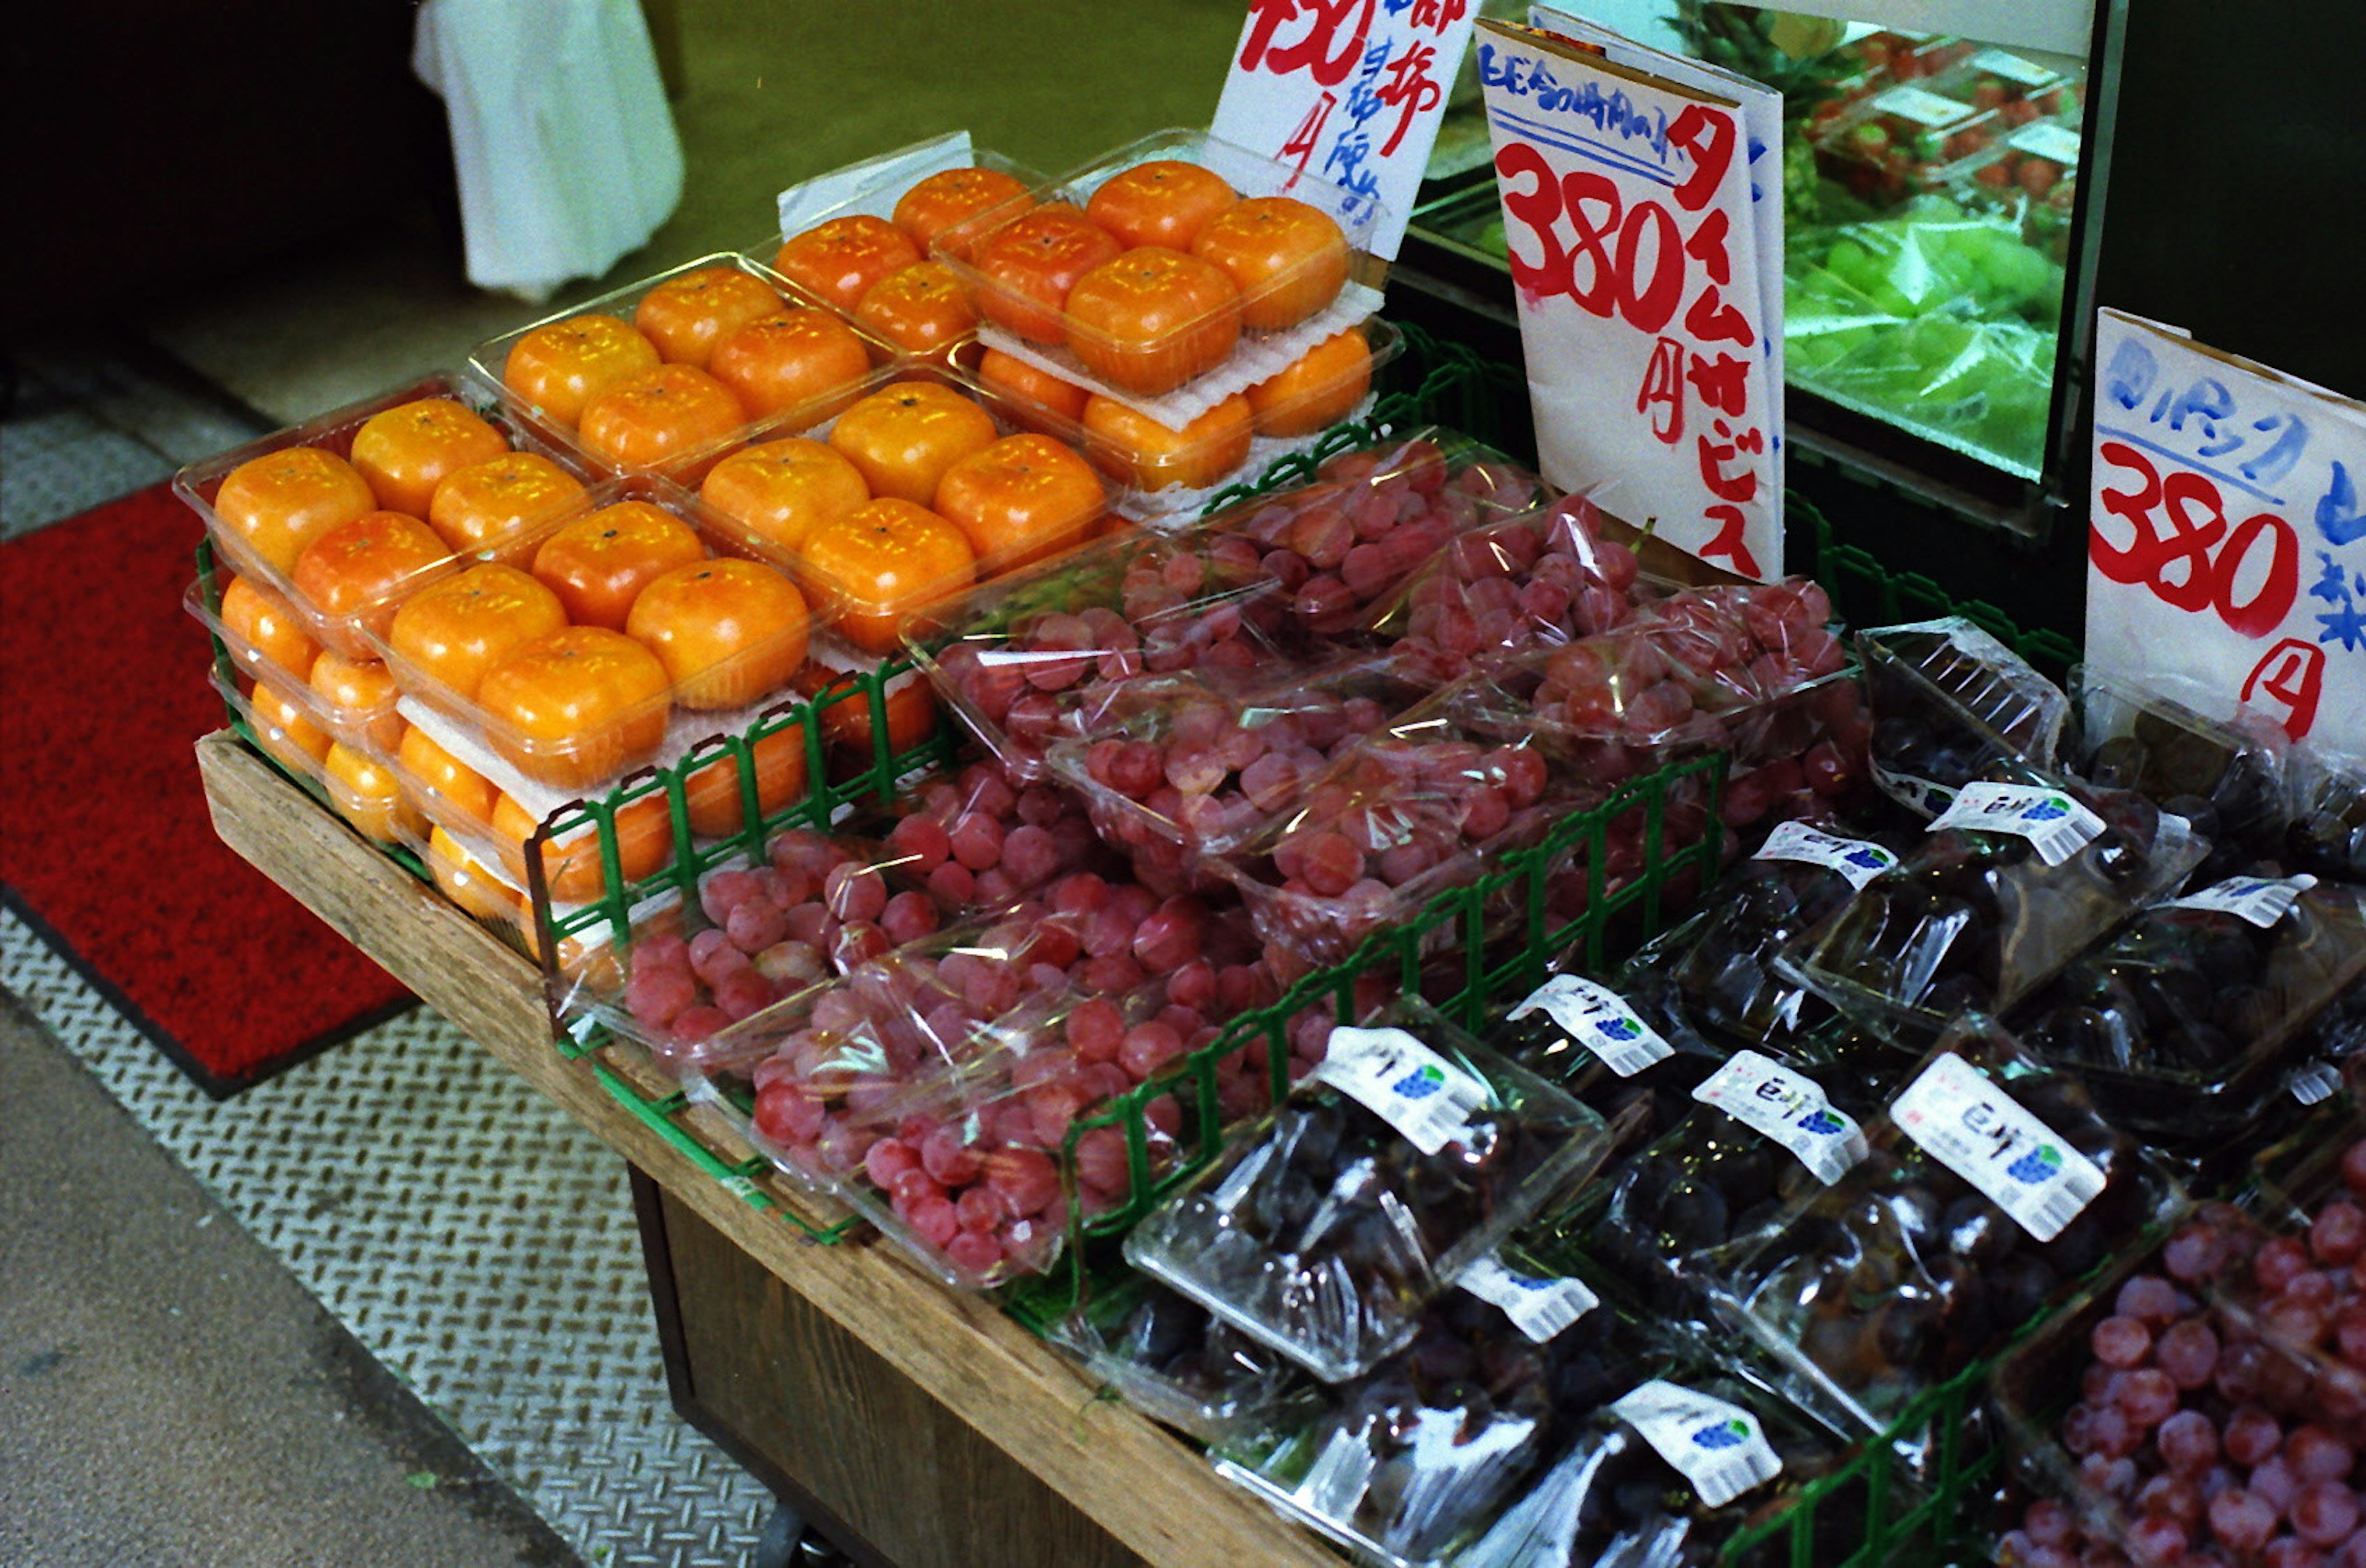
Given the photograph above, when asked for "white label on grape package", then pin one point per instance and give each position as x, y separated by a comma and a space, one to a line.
2258, 899
1852, 858
1595, 1018
2055, 143
2056, 825
1718, 1446
2012, 68
1538, 1306
1921, 796
1967, 1125
1425, 1098
1921, 108
1766, 1097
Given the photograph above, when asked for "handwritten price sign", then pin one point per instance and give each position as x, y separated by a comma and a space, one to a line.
1349, 91
2226, 552
1634, 256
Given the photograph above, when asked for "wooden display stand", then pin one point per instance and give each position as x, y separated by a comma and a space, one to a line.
916, 1428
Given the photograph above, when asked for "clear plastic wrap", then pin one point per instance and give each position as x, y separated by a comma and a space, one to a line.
1990, 1187
979, 840
1417, 1456
2193, 1018
1325, 1229
1948, 701
1627, 1060
1980, 915
1176, 1362
2228, 780
2328, 816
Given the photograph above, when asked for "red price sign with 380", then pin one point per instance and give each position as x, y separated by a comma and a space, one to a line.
1602, 272
2182, 548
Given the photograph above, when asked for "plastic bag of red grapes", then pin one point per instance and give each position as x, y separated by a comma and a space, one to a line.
1544, 579
1424, 804
2228, 780
2192, 1020
1174, 1361
1335, 548
1670, 1472
1040, 655
2221, 1397
2019, 875
1989, 1187
1324, 1228
977, 838
1183, 774
1948, 701
1417, 1456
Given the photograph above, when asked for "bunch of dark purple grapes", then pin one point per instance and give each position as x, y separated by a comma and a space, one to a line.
2227, 788
1942, 714
1208, 1361
1713, 1182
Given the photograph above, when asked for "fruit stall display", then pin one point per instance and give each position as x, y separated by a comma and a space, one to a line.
1526, 1050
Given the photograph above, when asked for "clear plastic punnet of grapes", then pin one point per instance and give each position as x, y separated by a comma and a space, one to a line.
1042, 654
2019, 875
1325, 1227
2205, 1020
1182, 1366
1949, 701
1337, 547
2327, 796
975, 840
1430, 802
1989, 1189
1620, 1054
1415, 1459
1686, 1469
2228, 779
2204, 1396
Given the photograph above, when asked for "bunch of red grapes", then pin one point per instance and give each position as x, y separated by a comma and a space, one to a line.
982, 838
2225, 1404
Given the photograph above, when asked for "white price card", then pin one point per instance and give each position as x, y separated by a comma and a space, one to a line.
1718, 1446
1969, 1125
1539, 1307
1637, 267
1347, 91
2258, 899
1852, 858
1597, 1018
1425, 1098
1788, 1107
2226, 535
2056, 825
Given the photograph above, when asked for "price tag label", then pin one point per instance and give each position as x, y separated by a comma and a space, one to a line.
2226, 537
1538, 1306
1718, 1446
1852, 858
1921, 108
1651, 336
1769, 1099
1597, 1018
2042, 141
1425, 1098
1348, 91
2260, 900
2013, 68
2056, 825
1965, 1123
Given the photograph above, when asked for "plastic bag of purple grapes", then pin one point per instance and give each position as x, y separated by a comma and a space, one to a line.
1425, 804
1324, 1228
1624, 1057
2192, 1018
2017, 875
1949, 701
1672, 1473
1178, 1364
1042, 654
2229, 780
1991, 1186
1182, 774
1414, 1459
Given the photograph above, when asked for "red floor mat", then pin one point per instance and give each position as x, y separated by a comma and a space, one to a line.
105, 845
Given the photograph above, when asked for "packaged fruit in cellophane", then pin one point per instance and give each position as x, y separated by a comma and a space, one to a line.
1180, 1364
1991, 1186
1629, 1064
2021, 871
1672, 1473
2192, 1020
2328, 796
978, 838
1949, 701
1325, 1228
1417, 1456
2227, 778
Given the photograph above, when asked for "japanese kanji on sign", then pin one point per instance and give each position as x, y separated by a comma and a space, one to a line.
1348, 90
2226, 549
1640, 277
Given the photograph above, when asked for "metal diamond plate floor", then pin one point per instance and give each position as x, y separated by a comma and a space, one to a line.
475, 1239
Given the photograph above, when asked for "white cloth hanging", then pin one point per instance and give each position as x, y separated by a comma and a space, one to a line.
565, 147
